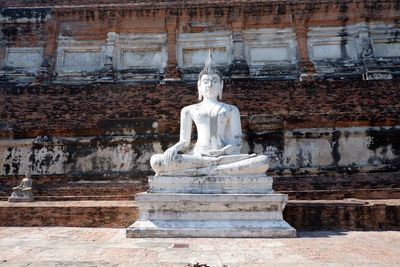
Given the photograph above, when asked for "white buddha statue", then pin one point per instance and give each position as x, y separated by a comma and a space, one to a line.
217, 150
23, 192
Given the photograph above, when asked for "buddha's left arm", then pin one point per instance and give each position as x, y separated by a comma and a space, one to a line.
235, 130
234, 133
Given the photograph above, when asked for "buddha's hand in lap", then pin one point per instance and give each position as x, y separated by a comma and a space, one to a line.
213, 153
227, 150
169, 155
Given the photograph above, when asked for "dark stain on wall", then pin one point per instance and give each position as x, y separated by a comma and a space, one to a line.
25, 13
14, 158
273, 144
383, 138
334, 142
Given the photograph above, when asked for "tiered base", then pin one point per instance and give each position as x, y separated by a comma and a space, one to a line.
210, 229
243, 206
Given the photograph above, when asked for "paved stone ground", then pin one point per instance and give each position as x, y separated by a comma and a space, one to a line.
61, 246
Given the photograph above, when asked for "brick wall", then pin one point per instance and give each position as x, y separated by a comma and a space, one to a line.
82, 123
58, 110
104, 128
70, 214
44, 21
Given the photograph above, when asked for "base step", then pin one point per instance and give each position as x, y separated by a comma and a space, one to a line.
220, 228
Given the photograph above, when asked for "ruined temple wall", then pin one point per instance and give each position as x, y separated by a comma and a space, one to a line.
303, 126
254, 39
91, 90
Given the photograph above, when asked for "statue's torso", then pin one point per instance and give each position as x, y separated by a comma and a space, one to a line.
211, 122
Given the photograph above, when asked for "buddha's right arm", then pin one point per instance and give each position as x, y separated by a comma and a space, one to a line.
184, 137
186, 127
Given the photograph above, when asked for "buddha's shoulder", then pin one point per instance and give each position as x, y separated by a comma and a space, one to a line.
190, 108
230, 107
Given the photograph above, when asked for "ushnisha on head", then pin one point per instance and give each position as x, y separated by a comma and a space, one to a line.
210, 83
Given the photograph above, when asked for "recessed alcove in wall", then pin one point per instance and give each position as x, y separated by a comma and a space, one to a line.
385, 40
271, 53
27, 58
132, 57
21, 64
338, 51
77, 58
192, 51
333, 43
141, 56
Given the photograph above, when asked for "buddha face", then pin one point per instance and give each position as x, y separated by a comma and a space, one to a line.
210, 86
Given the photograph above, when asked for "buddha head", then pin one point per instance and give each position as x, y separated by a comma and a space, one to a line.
210, 83
28, 174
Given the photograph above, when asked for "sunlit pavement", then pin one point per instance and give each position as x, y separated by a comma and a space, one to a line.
61, 246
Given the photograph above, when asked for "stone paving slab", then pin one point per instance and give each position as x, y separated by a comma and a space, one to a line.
62, 246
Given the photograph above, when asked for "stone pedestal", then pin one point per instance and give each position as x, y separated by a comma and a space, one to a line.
21, 196
211, 206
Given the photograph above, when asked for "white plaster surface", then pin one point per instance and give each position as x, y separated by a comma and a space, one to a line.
270, 46
55, 158
81, 60
331, 51
211, 215
386, 49
377, 75
141, 58
329, 43
384, 42
193, 57
242, 229
141, 51
211, 184
24, 57
267, 54
77, 56
192, 48
349, 42
315, 151
307, 152
353, 148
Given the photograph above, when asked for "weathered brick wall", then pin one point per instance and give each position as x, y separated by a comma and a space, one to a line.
343, 215
58, 110
303, 215
70, 214
79, 187
96, 140
96, 137
44, 21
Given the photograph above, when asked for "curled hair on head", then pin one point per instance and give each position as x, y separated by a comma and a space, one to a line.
209, 70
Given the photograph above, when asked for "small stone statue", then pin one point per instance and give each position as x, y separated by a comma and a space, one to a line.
217, 150
23, 192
